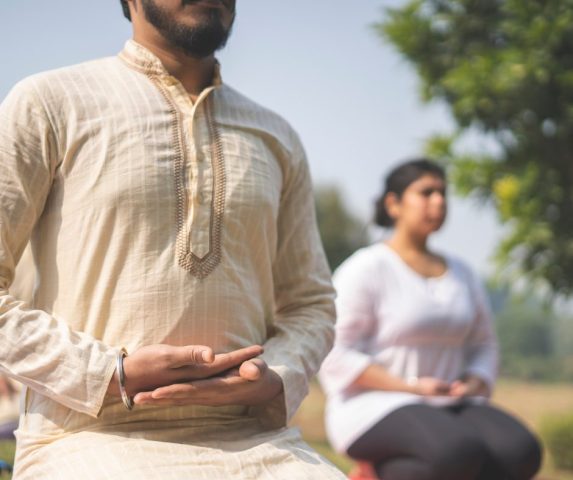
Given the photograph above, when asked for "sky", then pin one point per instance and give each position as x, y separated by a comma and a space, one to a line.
318, 63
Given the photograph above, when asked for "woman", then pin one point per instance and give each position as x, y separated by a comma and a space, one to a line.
415, 357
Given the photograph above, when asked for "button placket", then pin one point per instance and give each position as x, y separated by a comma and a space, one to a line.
201, 191
182, 111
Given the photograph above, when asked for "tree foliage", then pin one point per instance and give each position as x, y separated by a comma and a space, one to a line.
341, 232
505, 69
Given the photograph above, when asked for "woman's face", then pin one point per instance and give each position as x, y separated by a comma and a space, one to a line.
422, 207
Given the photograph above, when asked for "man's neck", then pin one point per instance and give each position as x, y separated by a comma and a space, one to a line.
195, 74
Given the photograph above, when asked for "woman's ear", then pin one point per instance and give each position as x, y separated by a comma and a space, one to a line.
392, 205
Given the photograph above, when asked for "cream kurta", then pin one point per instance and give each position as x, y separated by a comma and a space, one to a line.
154, 220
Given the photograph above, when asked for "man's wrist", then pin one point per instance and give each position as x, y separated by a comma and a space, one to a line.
276, 383
113, 387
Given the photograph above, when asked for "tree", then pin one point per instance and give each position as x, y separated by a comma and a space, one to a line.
526, 334
534, 339
341, 232
505, 70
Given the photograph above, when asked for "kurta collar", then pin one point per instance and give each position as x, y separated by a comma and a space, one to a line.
232, 109
140, 58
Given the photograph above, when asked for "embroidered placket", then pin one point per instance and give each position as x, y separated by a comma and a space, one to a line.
199, 224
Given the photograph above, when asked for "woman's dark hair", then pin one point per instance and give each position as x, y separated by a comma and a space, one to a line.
125, 8
399, 179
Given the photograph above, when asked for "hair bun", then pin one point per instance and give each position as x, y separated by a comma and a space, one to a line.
381, 216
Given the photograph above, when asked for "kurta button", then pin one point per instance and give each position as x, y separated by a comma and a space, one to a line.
171, 81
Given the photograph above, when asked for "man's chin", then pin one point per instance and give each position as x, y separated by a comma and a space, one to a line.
207, 5
198, 49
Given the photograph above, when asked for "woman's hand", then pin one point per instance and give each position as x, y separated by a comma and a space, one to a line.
253, 383
156, 366
376, 377
430, 386
471, 386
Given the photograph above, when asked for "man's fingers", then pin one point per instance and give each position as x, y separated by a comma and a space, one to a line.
199, 389
142, 397
191, 355
226, 361
174, 391
253, 370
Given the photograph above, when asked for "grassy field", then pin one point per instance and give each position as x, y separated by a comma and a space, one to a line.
530, 402
6, 454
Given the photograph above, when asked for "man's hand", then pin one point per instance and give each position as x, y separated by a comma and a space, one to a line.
156, 366
6, 387
253, 383
469, 387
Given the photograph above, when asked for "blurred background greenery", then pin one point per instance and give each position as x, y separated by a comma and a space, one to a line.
504, 70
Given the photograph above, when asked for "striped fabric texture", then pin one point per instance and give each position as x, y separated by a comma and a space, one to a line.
153, 219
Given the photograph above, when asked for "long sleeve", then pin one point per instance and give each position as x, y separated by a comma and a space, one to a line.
35, 348
356, 320
481, 344
304, 296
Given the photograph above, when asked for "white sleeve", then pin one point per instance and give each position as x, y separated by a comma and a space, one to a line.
356, 320
481, 343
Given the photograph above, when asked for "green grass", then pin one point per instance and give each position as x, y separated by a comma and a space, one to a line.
7, 454
532, 402
341, 461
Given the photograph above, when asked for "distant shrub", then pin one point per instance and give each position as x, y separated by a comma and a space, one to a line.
557, 431
535, 368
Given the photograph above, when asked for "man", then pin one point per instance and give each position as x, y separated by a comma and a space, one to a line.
172, 217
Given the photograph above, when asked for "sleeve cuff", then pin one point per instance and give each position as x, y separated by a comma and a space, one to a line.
93, 409
341, 369
488, 377
280, 410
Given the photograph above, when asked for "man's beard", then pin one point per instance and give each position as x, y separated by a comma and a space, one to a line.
197, 41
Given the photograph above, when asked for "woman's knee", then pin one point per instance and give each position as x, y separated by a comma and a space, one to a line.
522, 458
461, 458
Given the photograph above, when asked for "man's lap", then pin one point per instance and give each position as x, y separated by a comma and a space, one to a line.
279, 454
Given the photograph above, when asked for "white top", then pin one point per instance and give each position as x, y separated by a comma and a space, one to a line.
412, 325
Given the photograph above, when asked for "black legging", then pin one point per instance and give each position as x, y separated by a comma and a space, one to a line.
466, 442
